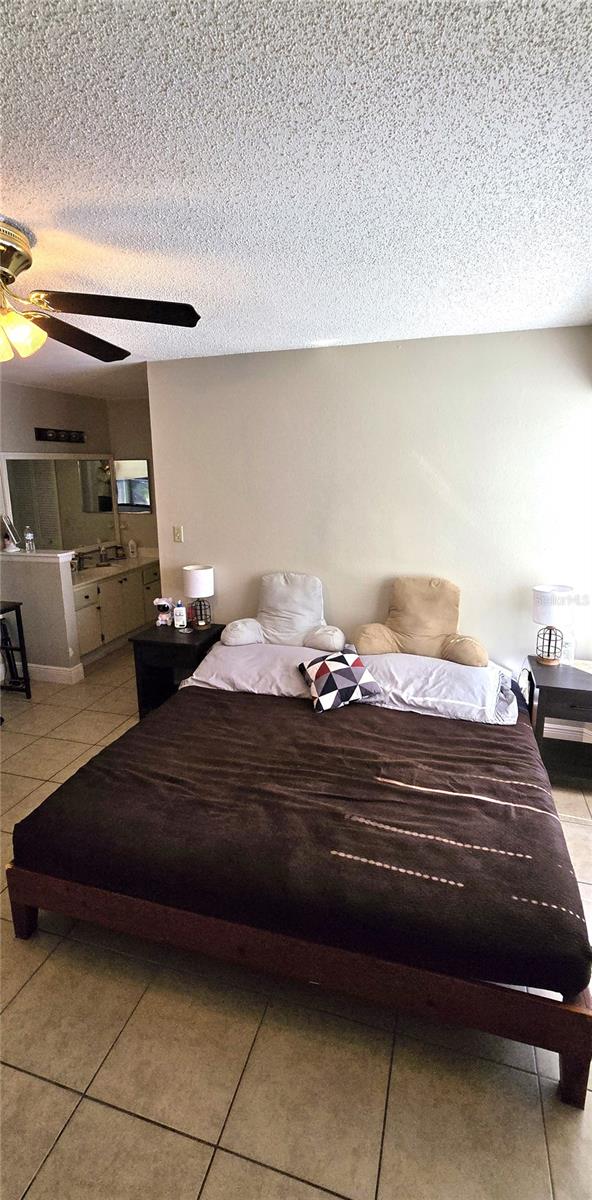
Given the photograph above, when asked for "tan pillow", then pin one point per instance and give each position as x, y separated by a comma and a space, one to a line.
423, 619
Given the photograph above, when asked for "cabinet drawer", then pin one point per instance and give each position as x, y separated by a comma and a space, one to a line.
151, 574
84, 596
574, 706
174, 657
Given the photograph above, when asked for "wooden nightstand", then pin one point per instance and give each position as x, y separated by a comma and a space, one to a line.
164, 656
564, 693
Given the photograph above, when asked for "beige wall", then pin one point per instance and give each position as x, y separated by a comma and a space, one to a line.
22, 408
130, 437
463, 457
49, 619
120, 427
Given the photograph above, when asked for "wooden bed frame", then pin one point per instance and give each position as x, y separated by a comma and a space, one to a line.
564, 1026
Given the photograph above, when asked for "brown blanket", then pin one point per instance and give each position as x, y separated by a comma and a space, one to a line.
420, 839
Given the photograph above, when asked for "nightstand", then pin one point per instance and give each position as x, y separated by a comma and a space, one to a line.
565, 693
164, 656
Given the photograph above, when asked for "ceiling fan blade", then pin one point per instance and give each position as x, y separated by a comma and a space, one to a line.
121, 308
79, 339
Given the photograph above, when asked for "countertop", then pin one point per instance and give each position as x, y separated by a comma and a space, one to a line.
120, 567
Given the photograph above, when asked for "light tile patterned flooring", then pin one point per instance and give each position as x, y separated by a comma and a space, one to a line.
136, 1072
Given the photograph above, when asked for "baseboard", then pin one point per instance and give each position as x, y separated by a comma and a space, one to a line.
47, 674
109, 647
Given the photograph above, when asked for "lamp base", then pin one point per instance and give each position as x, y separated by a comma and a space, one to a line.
549, 646
203, 614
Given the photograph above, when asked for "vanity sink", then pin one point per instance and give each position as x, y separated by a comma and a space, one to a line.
117, 566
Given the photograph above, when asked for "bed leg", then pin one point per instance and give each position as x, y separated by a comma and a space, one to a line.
24, 919
573, 1076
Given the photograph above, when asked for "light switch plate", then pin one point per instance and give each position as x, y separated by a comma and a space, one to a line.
178, 535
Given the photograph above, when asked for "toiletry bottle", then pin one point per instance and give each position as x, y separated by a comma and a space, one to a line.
29, 537
180, 615
568, 653
132, 548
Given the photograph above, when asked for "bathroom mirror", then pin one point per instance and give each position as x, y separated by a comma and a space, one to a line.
67, 501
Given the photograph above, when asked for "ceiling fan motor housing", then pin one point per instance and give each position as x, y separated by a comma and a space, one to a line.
15, 251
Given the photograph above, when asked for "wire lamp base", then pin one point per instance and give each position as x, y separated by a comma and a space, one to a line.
203, 614
549, 646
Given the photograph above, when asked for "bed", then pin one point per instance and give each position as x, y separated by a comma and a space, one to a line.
400, 857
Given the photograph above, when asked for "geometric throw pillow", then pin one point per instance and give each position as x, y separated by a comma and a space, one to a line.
338, 679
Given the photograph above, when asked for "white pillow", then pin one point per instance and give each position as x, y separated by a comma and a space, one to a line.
409, 682
325, 637
290, 614
289, 605
265, 670
245, 632
434, 687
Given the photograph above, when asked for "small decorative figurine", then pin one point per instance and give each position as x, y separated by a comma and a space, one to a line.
165, 606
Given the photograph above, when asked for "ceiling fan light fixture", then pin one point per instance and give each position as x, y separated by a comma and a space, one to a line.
26, 324
22, 332
5, 347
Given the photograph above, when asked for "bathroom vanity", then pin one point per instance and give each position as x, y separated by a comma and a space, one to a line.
68, 615
69, 500
113, 600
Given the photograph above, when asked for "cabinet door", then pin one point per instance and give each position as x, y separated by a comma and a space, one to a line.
88, 620
133, 601
151, 574
151, 592
112, 614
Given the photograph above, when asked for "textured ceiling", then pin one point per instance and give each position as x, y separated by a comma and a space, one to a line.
303, 172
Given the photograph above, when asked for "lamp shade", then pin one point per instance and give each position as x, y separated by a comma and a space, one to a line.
5, 347
24, 334
198, 582
551, 604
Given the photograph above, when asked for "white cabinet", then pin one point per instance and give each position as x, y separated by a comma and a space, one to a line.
133, 601
88, 618
112, 613
88, 621
151, 593
151, 585
109, 609
122, 604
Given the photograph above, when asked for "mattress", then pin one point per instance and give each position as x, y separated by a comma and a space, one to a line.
418, 839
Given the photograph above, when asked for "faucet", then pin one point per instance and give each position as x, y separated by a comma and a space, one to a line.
103, 552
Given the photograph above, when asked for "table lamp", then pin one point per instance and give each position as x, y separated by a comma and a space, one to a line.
199, 586
551, 609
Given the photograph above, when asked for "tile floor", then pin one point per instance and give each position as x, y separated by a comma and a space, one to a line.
132, 1071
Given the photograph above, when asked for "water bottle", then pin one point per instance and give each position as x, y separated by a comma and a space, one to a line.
29, 537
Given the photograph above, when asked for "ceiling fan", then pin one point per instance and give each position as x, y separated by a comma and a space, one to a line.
25, 324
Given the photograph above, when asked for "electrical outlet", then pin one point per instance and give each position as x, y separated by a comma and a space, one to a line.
178, 535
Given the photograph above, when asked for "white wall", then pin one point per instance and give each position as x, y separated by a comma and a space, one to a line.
22, 408
49, 619
465, 457
130, 437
